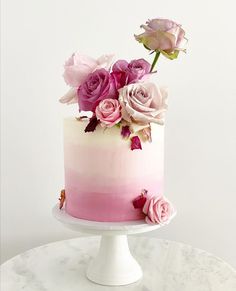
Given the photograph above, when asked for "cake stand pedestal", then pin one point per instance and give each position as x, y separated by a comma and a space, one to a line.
114, 265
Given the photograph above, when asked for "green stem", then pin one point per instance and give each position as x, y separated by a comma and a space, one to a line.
155, 60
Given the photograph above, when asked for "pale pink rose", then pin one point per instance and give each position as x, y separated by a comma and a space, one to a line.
70, 97
163, 35
108, 112
158, 210
104, 62
143, 103
79, 66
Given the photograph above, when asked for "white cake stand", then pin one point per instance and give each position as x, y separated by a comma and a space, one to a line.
114, 264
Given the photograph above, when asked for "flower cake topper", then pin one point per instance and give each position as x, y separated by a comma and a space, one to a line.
120, 93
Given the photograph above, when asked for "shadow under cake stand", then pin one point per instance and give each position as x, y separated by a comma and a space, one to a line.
114, 265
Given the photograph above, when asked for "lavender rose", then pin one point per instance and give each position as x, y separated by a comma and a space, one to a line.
143, 103
125, 73
108, 112
98, 86
158, 210
163, 35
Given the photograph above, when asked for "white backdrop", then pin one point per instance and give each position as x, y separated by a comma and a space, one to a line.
200, 156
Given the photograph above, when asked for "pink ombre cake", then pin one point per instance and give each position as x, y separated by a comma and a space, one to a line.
114, 158
103, 176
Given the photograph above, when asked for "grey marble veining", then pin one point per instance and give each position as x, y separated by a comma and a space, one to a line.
167, 266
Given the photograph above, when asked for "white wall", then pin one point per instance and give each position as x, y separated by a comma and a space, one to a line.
200, 158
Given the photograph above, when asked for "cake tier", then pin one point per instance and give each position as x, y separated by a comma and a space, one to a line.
103, 175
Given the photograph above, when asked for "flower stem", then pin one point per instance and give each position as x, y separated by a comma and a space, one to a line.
155, 60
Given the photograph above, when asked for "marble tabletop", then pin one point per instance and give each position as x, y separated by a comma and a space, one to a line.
167, 266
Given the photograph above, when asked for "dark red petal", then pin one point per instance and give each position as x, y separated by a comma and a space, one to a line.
139, 201
135, 143
93, 122
125, 131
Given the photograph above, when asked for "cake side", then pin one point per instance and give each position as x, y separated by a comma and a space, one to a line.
103, 176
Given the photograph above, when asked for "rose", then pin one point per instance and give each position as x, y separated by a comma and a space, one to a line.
158, 210
138, 69
143, 103
108, 112
163, 35
98, 86
77, 68
125, 73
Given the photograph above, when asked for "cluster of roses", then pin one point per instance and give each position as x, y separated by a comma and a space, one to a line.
121, 93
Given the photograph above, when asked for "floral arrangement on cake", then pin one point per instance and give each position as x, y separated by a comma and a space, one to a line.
120, 93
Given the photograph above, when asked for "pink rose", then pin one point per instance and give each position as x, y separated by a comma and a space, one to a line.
125, 73
162, 35
108, 112
143, 103
98, 86
70, 97
158, 210
77, 68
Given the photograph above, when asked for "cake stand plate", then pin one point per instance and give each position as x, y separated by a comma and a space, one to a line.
114, 265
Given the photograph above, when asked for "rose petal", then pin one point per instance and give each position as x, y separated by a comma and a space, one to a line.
146, 206
135, 143
93, 122
125, 131
105, 61
146, 134
120, 66
70, 97
148, 221
139, 201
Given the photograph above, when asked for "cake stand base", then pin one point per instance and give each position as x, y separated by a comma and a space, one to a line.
114, 265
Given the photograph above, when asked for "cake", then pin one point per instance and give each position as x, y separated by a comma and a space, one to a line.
103, 176
114, 147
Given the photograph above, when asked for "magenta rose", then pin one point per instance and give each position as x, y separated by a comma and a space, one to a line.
108, 112
163, 35
143, 103
98, 86
77, 68
158, 210
125, 73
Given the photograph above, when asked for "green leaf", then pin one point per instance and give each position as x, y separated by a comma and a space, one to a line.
170, 56
146, 47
